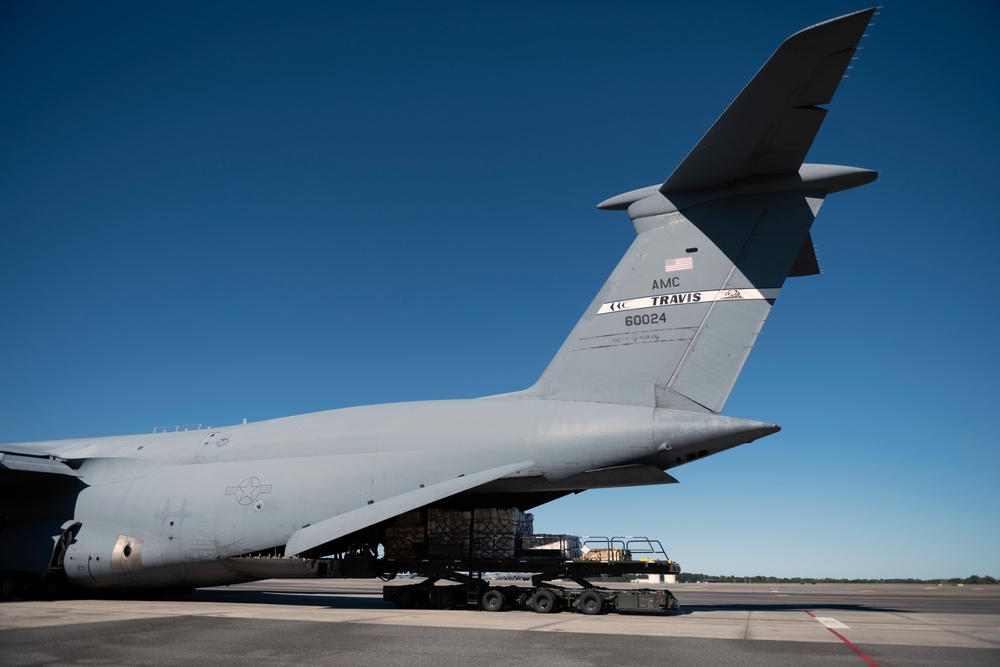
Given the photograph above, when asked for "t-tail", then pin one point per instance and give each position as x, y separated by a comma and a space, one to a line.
675, 322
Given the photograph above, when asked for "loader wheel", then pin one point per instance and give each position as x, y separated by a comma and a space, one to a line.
543, 601
10, 586
444, 598
591, 603
52, 588
492, 600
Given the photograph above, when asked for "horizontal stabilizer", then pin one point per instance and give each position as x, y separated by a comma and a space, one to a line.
770, 126
349, 522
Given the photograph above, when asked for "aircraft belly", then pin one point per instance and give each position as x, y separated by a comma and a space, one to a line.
203, 512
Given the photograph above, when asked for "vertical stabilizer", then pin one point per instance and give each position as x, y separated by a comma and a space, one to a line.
675, 322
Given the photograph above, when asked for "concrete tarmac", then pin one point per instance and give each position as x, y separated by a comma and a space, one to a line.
340, 622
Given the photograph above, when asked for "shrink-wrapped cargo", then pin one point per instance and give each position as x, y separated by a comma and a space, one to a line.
448, 533
490, 533
612, 555
496, 530
564, 547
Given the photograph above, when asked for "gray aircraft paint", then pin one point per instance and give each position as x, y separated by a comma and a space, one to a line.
634, 391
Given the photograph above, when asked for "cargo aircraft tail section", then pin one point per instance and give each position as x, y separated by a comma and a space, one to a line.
673, 325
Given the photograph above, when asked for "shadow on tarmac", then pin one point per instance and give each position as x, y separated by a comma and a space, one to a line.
777, 606
346, 600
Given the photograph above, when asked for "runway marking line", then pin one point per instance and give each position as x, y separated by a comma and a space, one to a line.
861, 654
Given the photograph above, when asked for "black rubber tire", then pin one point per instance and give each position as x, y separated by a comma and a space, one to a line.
591, 603
10, 586
52, 588
544, 601
493, 600
443, 597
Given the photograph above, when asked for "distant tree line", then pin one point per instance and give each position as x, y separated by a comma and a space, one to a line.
695, 577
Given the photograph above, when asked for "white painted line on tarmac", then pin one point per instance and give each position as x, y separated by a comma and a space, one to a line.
832, 623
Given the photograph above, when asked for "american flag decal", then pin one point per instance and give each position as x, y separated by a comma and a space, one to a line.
679, 264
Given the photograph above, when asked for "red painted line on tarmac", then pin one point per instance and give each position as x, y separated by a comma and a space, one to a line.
850, 645
861, 654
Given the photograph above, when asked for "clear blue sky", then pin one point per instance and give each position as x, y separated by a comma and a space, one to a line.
211, 211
